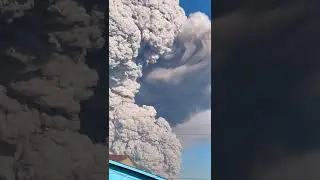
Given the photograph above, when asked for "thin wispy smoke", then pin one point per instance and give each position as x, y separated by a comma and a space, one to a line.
196, 129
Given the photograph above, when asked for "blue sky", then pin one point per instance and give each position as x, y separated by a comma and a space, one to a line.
191, 6
196, 160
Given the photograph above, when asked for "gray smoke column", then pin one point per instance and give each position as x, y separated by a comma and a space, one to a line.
140, 32
179, 85
158, 59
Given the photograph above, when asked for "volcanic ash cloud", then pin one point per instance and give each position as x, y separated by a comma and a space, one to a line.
179, 84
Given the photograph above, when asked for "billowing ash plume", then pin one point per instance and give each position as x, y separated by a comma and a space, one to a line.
159, 64
179, 85
157, 58
140, 32
52, 112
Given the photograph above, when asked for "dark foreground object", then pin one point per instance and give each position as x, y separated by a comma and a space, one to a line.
52, 112
266, 71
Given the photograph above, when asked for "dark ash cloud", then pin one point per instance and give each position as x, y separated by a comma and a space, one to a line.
52, 116
178, 84
266, 98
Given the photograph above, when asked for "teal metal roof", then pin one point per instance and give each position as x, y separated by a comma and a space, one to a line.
124, 172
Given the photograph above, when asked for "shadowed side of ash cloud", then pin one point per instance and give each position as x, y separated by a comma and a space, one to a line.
266, 93
179, 84
51, 86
